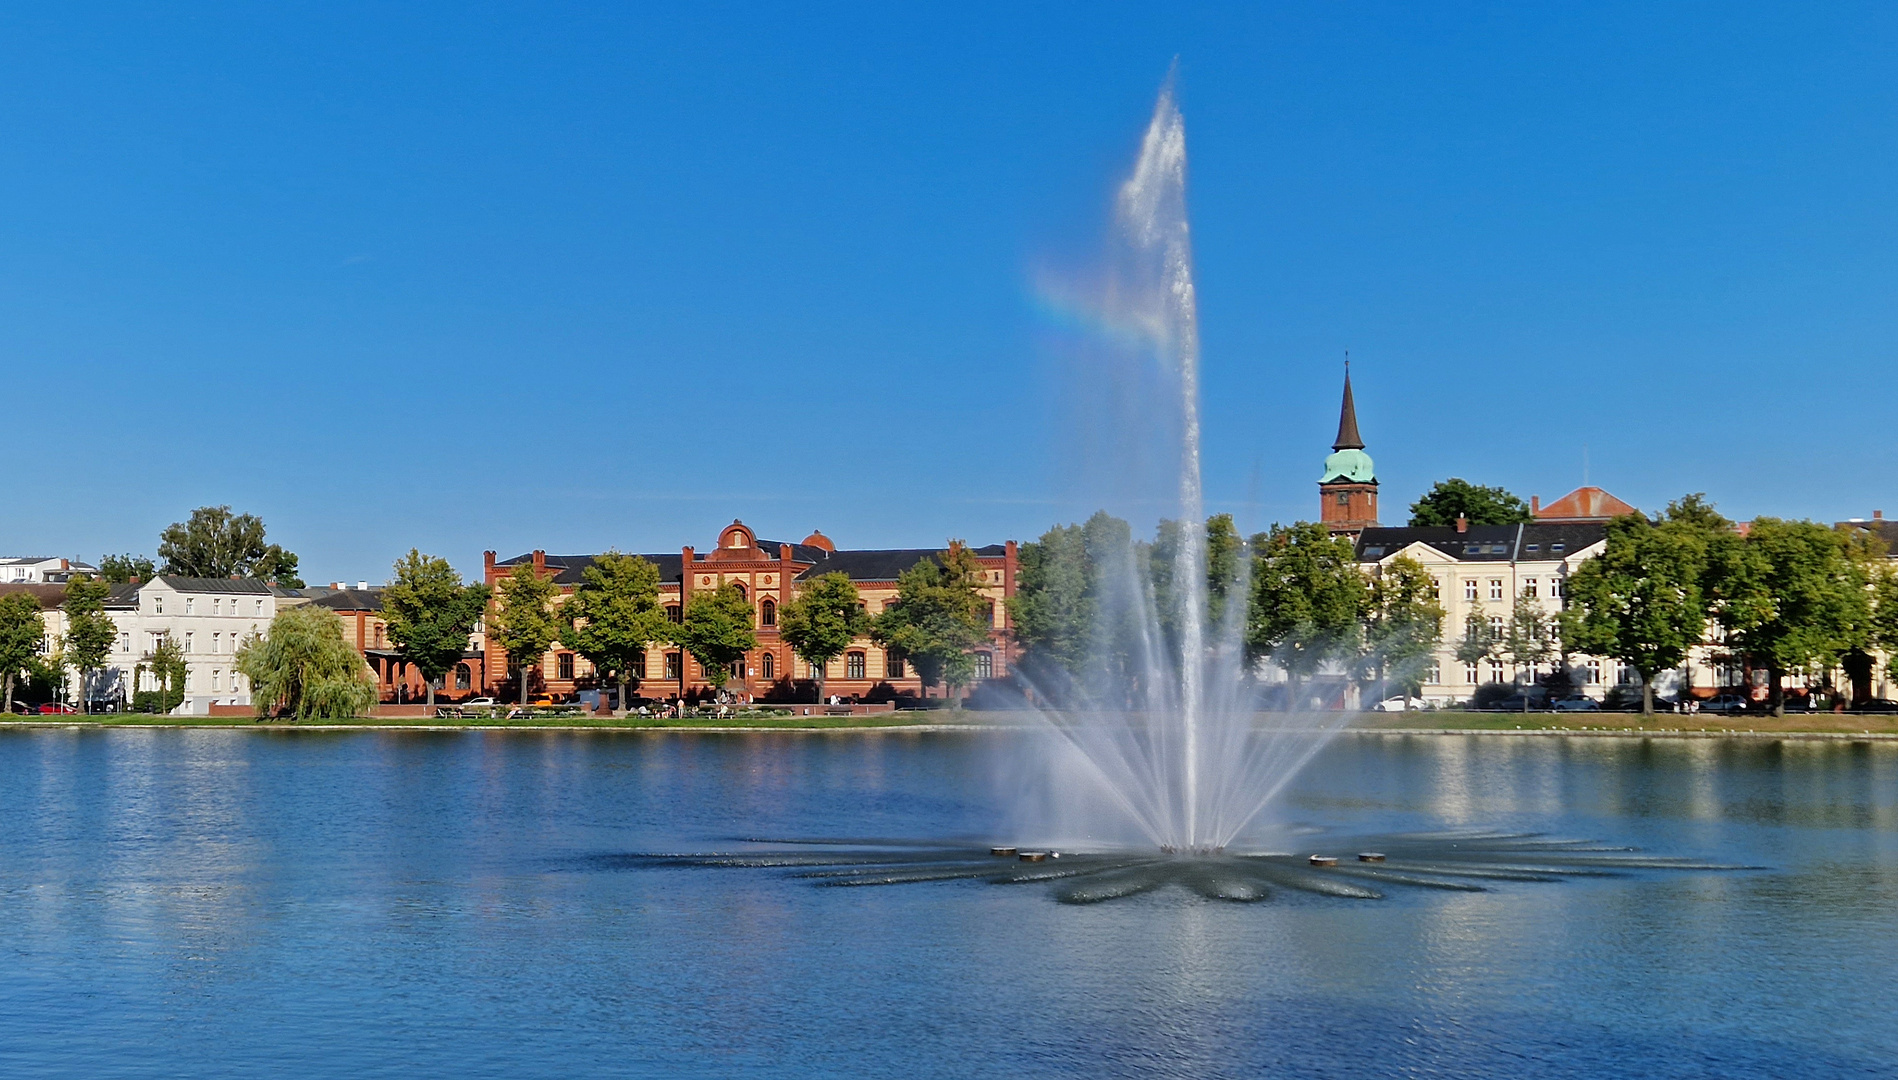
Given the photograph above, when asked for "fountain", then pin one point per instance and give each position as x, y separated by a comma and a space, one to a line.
1163, 725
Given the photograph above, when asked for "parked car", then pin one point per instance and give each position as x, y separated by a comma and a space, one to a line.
1727, 704
478, 703
1876, 705
53, 708
1398, 704
1577, 704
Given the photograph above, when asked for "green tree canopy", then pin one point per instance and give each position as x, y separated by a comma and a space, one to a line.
1448, 499
22, 634
522, 621
304, 668
1064, 594
1791, 597
615, 616
936, 619
121, 569
166, 662
429, 614
89, 631
718, 631
822, 620
1403, 622
215, 543
1308, 600
1224, 569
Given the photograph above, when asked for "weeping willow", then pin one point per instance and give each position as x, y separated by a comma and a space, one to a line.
303, 668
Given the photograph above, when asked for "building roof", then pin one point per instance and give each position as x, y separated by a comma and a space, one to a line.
1886, 531
217, 585
1348, 438
349, 599
1532, 542
868, 565
49, 596
1585, 504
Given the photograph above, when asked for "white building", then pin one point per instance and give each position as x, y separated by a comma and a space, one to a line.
40, 570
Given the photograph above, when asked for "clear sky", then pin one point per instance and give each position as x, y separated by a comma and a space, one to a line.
465, 277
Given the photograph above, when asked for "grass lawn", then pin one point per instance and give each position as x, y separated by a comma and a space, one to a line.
1850, 723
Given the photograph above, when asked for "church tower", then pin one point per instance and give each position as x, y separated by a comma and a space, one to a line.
1347, 496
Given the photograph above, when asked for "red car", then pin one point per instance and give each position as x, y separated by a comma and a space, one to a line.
54, 709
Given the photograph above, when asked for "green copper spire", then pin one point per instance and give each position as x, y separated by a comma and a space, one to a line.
1348, 460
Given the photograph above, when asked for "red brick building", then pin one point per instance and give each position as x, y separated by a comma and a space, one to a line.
769, 572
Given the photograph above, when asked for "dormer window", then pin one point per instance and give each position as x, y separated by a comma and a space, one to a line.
1556, 548
1533, 548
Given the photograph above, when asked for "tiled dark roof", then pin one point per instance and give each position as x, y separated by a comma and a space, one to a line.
1886, 531
49, 596
887, 564
1533, 542
568, 568
215, 585
874, 565
350, 600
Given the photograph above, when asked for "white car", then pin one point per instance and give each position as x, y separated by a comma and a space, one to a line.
1398, 704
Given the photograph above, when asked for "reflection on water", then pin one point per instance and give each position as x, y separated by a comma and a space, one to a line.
216, 903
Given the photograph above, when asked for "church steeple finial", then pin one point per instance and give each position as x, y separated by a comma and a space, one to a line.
1348, 438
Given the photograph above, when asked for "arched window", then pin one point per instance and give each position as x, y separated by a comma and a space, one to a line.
984, 665
740, 586
853, 665
464, 678
767, 664
768, 612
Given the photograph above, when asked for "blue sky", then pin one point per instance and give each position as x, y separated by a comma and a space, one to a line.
465, 277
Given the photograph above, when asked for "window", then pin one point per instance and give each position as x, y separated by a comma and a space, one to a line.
190, 602
216, 605
125, 643
158, 605
1436, 589
813, 671
1529, 587
738, 668
1469, 674
259, 610
1469, 588
1344, 498
217, 680
740, 586
984, 665
639, 666
672, 613
767, 664
1434, 674
217, 642
988, 613
1495, 588
1626, 676
1557, 548
853, 665
1495, 671
672, 666
464, 678
768, 613
188, 680
1373, 552
1533, 548
565, 662
188, 634
1594, 673
1555, 588
892, 666
1495, 627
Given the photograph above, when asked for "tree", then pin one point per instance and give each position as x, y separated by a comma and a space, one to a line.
1455, 497
89, 631
615, 616
522, 621
1791, 597
718, 631
936, 619
822, 620
304, 668
1529, 637
22, 635
1224, 569
1308, 598
214, 543
122, 569
1403, 622
1066, 612
429, 614
166, 662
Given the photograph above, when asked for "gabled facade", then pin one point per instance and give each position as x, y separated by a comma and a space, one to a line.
41, 570
769, 572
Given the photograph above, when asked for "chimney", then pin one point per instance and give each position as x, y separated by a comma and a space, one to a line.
1535, 505
1878, 515
362, 585
540, 561
132, 580
1462, 524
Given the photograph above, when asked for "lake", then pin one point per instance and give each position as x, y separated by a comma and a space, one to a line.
213, 903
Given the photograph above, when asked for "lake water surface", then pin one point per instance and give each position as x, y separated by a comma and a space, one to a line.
237, 903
